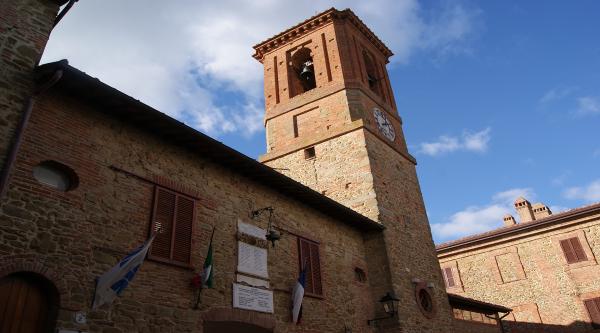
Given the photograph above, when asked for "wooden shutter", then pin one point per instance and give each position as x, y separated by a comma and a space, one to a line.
309, 256
182, 240
448, 277
174, 216
593, 308
573, 250
578, 249
164, 210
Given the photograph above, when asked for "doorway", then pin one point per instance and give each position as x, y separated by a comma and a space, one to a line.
28, 303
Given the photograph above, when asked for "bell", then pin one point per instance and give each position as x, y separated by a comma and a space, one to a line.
306, 73
273, 236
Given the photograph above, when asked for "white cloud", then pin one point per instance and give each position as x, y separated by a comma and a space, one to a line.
556, 94
474, 142
588, 105
477, 219
589, 193
192, 59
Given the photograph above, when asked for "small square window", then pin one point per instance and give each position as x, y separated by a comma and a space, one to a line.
309, 153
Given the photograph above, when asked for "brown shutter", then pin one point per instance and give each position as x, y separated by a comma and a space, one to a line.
304, 249
449, 277
577, 249
309, 256
182, 239
593, 308
568, 251
164, 210
315, 265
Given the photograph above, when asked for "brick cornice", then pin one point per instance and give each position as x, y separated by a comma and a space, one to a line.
313, 23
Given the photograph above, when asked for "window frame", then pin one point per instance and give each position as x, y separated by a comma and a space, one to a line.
177, 195
453, 266
311, 293
594, 320
581, 237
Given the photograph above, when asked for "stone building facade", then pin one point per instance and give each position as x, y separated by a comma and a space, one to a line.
545, 268
95, 173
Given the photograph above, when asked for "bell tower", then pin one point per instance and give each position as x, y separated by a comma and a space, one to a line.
332, 124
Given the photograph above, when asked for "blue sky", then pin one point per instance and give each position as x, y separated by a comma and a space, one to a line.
499, 98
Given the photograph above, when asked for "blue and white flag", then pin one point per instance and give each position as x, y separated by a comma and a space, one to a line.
112, 283
297, 296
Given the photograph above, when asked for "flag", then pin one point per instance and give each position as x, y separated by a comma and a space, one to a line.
112, 283
297, 296
207, 272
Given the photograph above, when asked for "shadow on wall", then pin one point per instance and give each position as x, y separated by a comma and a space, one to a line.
523, 327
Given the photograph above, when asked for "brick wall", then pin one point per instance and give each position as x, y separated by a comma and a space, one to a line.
530, 274
81, 233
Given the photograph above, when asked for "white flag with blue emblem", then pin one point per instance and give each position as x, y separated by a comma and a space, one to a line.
112, 283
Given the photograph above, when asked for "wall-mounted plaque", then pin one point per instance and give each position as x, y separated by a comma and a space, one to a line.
252, 260
250, 298
251, 230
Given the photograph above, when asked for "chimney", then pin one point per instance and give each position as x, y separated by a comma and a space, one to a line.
509, 220
523, 207
540, 211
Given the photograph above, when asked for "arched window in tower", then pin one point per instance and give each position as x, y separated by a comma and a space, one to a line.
372, 77
301, 72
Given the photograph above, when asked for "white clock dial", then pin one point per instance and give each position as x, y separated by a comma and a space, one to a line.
384, 125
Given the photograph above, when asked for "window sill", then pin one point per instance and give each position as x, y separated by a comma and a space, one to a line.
171, 263
581, 264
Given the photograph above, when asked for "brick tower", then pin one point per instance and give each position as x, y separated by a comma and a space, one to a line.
332, 124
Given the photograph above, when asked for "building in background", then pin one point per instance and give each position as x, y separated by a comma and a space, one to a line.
545, 268
89, 174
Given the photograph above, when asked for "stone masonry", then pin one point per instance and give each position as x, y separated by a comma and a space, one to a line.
523, 266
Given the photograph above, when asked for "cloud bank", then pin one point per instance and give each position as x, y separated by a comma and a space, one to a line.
192, 59
473, 142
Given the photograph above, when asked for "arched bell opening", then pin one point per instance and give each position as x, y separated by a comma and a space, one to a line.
301, 72
373, 79
28, 303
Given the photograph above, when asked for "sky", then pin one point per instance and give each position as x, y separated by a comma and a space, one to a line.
499, 99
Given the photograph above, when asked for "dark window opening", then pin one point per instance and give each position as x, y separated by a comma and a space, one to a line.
309, 153
301, 72
360, 275
373, 79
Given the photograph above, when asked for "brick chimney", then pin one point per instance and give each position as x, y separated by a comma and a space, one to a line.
540, 211
509, 220
523, 207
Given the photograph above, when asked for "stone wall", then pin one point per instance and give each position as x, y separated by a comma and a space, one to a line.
529, 273
81, 233
24, 29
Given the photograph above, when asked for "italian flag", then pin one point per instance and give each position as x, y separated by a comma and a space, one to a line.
207, 273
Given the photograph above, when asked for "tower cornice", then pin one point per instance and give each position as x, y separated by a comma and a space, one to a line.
313, 23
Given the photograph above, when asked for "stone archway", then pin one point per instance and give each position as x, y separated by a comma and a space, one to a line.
28, 303
219, 320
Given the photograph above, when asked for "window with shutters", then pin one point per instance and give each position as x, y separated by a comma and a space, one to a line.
309, 258
172, 220
573, 250
593, 309
448, 277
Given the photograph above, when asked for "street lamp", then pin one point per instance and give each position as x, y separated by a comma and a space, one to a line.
389, 302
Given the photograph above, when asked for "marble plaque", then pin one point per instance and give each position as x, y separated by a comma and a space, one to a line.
250, 298
252, 260
252, 281
252, 230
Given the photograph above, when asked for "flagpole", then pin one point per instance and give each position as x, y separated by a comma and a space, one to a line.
202, 282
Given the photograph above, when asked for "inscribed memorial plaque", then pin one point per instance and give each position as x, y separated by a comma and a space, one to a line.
252, 260
250, 298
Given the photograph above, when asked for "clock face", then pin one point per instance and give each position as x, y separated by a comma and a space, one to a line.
384, 125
